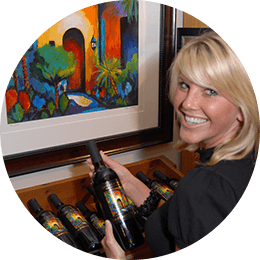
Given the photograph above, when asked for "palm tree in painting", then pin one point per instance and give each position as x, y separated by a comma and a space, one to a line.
108, 71
131, 8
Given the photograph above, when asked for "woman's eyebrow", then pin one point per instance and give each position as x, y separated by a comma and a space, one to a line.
181, 78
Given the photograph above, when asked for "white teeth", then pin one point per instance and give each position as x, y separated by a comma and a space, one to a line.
192, 120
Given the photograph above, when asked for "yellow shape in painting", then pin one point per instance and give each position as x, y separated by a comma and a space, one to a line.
80, 100
84, 101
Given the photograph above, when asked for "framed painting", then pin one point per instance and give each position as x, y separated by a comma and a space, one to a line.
99, 73
184, 35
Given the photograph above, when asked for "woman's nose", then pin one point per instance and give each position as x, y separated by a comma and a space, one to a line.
191, 100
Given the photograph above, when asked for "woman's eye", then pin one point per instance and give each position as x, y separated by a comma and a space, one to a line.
183, 85
211, 92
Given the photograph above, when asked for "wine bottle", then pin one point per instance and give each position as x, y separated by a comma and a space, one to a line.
77, 225
51, 222
141, 220
93, 217
114, 202
171, 183
164, 191
92, 192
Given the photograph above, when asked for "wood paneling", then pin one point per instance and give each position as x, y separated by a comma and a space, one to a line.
190, 21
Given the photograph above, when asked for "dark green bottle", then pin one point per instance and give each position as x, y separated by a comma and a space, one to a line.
164, 191
77, 225
171, 183
93, 217
51, 222
114, 202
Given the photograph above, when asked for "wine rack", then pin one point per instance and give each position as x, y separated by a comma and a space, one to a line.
74, 189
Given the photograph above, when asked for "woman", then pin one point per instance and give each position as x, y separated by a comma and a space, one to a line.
217, 116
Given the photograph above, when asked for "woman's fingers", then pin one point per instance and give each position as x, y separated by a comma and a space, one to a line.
110, 245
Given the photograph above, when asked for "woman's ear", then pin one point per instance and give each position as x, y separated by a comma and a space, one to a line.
240, 116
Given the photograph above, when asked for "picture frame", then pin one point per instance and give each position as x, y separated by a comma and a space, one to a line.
186, 34
57, 155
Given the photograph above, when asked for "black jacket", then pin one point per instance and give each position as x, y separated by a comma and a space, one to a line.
202, 200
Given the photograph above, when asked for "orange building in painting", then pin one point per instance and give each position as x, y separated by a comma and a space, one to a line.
112, 29
85, 24
75, 33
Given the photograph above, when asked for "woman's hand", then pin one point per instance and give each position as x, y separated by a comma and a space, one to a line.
133, 187
123, 174
110, 245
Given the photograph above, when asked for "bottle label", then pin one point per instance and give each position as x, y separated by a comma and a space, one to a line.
131, 202
116, 198
75, 218
164, 191
54, 225
99, 225
116, 207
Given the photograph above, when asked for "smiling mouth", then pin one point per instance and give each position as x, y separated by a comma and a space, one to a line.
194, 121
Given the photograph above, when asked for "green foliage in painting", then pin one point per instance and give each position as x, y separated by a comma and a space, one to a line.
131, 68
44, 115
51, 107
121, 102
64, 102
18, 113
131, 8
52, 64
108, 72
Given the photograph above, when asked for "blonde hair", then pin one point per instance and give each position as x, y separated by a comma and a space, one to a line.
208, 60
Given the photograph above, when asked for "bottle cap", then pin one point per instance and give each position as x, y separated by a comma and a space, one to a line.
160, 176
141, 176
35, 206
93, 151
55, 200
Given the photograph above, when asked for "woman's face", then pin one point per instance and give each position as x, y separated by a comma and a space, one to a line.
206, 117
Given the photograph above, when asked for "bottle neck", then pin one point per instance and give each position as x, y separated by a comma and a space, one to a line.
56, 201
153, 183
98, 165
59, 205
38, 211
35, 206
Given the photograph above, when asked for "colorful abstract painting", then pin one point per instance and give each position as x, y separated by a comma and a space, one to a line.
85, 63
117, 201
